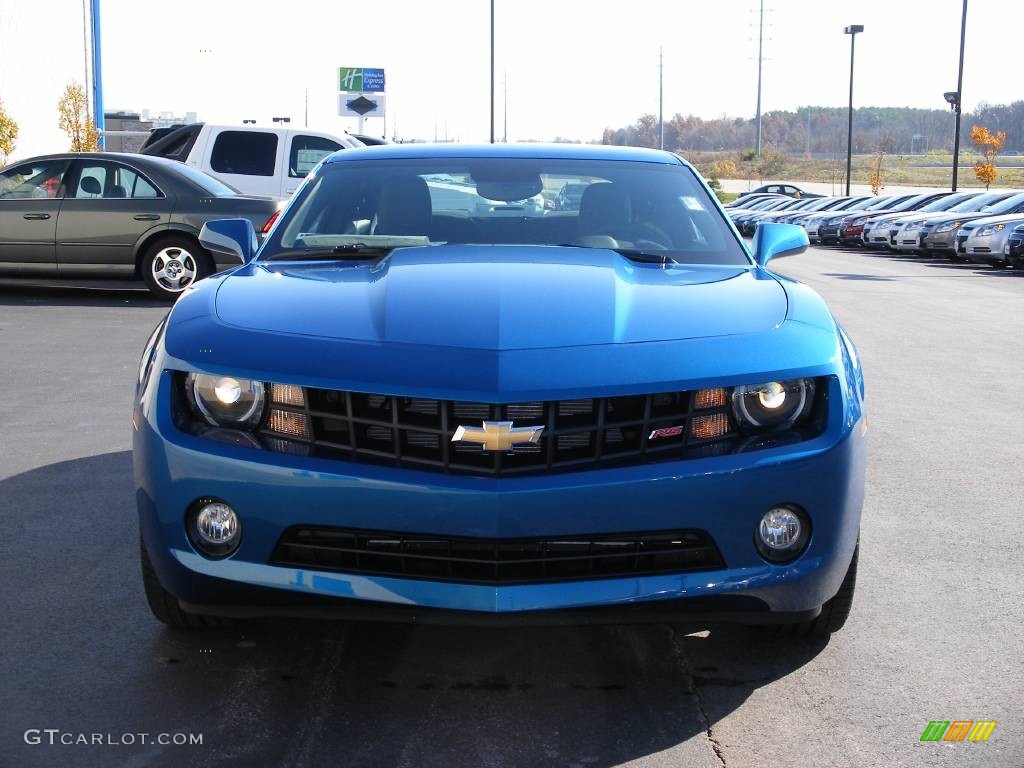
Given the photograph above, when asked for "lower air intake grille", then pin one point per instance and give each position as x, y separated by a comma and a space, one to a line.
496, 561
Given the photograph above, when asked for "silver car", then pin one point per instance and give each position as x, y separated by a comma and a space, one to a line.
984, 240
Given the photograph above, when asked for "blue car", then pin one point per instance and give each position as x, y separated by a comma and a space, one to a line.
401, 407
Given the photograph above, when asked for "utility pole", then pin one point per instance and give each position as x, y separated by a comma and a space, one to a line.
661, 99
807, 151
760, 51
307, 108
959, 97
504, 111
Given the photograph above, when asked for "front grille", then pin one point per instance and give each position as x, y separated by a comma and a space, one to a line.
577, 434
496, 561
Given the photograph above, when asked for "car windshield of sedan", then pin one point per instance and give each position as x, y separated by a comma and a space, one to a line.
644, 210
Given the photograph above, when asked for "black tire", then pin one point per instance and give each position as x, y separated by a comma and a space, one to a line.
172, 263
165, 606
834, 613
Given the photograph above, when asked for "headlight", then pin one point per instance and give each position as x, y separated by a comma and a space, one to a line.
226, 401
772, 405
990, 230
948, 226
911, 227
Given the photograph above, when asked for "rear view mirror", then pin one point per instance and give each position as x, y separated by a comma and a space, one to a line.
230, 237
771, 240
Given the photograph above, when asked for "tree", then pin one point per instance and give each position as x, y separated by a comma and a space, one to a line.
875, 177
985, 171
8, 133
770, 164
74, 120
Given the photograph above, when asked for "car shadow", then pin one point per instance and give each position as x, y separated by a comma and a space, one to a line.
132, 295
84, 654
930, 261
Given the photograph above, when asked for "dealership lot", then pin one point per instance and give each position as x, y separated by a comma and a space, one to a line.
934, 633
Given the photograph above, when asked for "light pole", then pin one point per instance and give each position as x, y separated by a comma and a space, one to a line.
760, 50
956, 99
281, 119
852, 31
661, 98
492, 71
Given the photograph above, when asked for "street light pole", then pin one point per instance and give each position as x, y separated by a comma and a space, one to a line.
661, 100
852, 31
760, 50
959, 97
492, 71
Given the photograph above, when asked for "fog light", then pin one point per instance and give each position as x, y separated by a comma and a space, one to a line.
782, 533
214, 528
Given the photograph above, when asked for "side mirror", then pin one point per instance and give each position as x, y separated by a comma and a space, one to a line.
771, 240
230, 237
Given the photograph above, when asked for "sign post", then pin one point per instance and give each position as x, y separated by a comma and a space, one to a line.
360, 93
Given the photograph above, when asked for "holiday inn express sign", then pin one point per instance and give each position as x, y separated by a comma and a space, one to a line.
360, 80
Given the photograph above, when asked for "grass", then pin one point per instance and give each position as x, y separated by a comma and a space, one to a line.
932, 170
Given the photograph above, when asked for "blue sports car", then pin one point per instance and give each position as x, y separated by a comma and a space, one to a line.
404, 406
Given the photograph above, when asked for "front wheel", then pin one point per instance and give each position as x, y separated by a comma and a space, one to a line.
172, 264
834, 613
165, 606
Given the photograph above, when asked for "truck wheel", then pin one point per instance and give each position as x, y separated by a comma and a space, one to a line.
834, 613
171, 264
165, 606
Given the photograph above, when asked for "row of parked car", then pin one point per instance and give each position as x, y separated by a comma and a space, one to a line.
980, 226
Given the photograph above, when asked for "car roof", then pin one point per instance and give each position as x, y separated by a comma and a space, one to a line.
510, 151
123, 157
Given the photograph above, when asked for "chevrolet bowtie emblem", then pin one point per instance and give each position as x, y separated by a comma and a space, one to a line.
497, 435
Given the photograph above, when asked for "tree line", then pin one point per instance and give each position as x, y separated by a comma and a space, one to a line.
822, 130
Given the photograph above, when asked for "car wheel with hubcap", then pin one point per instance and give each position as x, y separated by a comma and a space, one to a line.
172, 264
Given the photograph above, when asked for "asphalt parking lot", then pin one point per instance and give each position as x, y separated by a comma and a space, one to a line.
935, 631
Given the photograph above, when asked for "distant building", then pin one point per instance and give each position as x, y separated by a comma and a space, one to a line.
125, 121
167, 119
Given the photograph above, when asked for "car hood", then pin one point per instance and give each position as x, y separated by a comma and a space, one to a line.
942, 218
500, 298
979, 222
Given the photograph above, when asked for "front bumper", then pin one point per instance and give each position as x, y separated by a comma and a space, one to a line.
908, 241
724, 496
940, 242
987, 249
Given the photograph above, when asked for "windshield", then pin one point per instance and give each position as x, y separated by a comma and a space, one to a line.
660, 209
1009, 205
977, 203
947, 202
882, 203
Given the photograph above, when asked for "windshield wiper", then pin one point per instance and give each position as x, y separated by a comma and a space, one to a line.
648, 257
346, 252
634, 254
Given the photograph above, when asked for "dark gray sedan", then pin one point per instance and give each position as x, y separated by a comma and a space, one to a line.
108, 215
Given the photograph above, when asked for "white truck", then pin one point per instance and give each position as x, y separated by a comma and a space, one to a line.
257, 161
